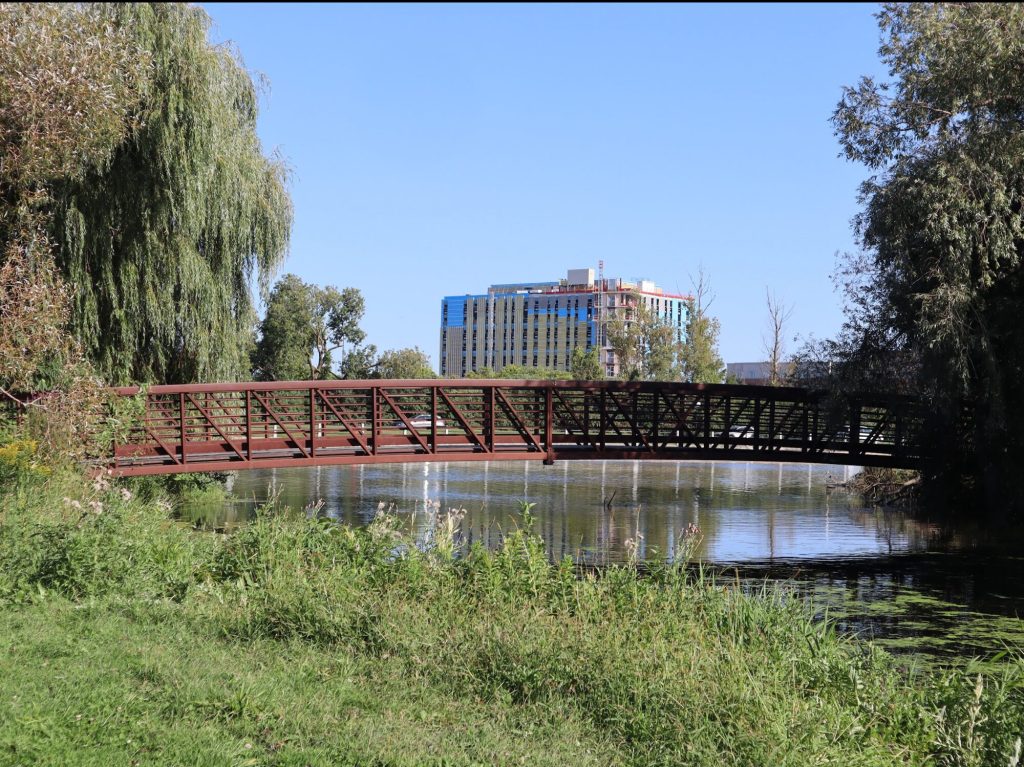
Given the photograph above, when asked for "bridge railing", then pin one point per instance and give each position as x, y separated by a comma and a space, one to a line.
224, 427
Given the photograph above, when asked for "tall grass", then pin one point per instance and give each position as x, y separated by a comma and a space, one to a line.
666, 667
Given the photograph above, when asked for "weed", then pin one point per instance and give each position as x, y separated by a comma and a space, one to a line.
298, 640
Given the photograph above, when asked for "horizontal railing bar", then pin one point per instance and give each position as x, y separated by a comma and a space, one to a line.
452, 386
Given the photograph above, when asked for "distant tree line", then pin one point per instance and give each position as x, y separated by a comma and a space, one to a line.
313, 332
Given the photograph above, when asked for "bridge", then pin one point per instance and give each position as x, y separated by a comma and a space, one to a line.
228, 427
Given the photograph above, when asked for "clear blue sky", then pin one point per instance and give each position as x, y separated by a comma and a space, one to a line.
439, 149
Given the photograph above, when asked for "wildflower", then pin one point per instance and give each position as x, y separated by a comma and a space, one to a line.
631, 545
126, 494
96, 507
72, 503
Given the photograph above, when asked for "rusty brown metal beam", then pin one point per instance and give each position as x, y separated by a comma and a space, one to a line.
463, 420
516, 419
357, 434
209, 419
402, 416
300, 444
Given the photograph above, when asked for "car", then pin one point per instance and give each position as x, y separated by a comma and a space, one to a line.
421, 421
738, 432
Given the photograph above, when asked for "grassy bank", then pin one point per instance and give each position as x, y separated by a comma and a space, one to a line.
127, 638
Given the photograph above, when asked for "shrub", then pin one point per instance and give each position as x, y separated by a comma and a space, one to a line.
19, 459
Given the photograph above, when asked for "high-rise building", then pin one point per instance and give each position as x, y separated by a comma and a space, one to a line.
541, 324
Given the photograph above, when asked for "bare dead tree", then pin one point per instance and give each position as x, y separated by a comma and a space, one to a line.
774, 343
702, 295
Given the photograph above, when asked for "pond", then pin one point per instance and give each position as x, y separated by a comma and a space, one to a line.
921, 587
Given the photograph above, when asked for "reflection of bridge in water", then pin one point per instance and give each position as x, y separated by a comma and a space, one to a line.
227, 427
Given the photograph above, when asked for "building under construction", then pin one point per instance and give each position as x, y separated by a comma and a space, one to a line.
541, 324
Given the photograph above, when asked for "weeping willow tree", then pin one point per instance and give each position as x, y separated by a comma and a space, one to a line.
70, 84
69, 88
163, 243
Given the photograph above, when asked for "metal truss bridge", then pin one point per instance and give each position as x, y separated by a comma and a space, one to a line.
228, 427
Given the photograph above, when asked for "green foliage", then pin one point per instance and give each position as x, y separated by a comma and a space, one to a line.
162, 240
646, 347
522, 372
89, 538
241, 636
404, 363
121, 415
33, 316
359, 364
19, 459
286, 336
69, 85
305, 325
586, 366
701, 361
936, 294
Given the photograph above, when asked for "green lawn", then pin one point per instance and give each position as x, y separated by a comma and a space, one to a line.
97, 686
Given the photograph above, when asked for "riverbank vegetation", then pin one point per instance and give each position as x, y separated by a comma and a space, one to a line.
886, 487
128, 637
933, 296
137, 207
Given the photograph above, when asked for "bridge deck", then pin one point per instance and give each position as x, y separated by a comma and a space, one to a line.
227, 427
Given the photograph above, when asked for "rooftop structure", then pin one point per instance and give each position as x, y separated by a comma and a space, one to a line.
541, 324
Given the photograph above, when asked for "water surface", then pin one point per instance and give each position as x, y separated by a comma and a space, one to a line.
912, 585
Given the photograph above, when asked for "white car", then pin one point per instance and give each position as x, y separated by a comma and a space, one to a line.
741, 431
422, 421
